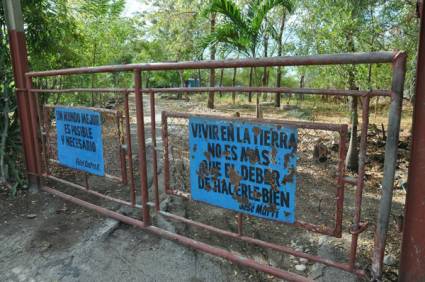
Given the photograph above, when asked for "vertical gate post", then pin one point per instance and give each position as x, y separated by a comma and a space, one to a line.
412, 264
394, 117
141, 145
18, 50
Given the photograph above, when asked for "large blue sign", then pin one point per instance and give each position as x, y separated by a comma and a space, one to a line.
79, 139
244, 166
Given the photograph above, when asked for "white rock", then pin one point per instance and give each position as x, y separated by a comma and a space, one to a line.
300, 267
303, 260
390, 260
16, 270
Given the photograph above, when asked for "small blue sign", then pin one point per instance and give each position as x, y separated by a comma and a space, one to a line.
244, 166
79, 139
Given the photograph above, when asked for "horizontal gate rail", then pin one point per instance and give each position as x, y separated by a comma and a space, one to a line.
335, 59
397, 59
329, 92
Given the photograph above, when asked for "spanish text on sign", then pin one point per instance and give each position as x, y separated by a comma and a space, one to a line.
245, 166
79, 139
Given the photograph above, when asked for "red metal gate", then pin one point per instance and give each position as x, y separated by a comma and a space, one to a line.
127, 177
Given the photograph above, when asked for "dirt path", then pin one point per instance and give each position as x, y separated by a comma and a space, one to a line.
66, 243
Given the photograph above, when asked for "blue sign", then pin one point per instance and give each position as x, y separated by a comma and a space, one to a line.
79, 139
244, 166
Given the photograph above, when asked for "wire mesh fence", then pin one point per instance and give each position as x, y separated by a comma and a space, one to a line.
112, 140
317, 171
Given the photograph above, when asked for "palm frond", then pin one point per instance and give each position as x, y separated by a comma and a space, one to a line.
263, 8
227, 34
229, 9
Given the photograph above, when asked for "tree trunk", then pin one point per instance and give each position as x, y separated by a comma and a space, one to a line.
251, 70
179, 94
93, 77
234, 84
212, 71
352, 158
302, 83
4, 134
221, 81
266, 49
279, 71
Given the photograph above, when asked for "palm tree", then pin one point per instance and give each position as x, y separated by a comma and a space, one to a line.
242, 28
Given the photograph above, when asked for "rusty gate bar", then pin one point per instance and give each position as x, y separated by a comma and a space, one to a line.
34, 123
398, 60
291, 123
341, 183
328, 59
391, 146
121, 150
264, 244
19, 61
358, 226
129, 151
154, 150
82, 188
311, 91
45, 135
164, 127
412, 264
181, 239
142, 145
101, 110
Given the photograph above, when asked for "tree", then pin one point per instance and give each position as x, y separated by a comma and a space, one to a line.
242, 28
48, 27
337, 34
279, 39
210, 104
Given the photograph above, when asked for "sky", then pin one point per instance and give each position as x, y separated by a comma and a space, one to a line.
133, 6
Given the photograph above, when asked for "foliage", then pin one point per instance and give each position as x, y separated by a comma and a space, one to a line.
373, 25
73, 33
242, 29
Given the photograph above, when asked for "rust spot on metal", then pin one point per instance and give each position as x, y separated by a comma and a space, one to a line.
256, 194
235, 178
208, 156
225, 153
293, 143
256, 131
270, 178
274, 153
286, 160
203, 171
271, 208
289, 177
252, 156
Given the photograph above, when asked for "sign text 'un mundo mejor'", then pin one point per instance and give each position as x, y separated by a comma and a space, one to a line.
79, 139
244, 166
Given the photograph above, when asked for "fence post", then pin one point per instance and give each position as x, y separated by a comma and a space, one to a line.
399, 70
18, 51
141, 145
412, 261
